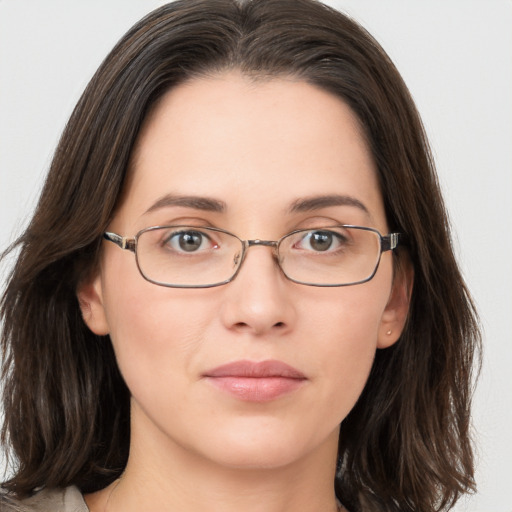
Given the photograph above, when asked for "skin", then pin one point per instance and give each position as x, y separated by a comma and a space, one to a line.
257, 146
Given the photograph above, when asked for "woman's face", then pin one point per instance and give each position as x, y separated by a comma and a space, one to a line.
270, 157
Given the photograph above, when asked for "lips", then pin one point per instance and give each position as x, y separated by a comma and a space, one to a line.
256, 381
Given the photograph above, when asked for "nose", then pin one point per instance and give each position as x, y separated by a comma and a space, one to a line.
259, 300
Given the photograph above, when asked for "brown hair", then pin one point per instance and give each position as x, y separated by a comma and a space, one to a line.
405, 446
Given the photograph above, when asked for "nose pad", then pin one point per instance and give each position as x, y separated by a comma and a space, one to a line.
264, 243
240, 256
277, 258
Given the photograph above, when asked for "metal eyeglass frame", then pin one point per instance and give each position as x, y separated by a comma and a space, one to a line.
387, 243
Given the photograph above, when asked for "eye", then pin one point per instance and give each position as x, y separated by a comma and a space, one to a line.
189, 241
321, 241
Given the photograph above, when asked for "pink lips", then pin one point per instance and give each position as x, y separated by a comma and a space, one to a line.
256, 381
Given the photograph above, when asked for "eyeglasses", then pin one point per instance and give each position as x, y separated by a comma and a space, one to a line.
203, 257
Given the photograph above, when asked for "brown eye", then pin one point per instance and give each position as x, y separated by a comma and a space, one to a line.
188, 241
321, 240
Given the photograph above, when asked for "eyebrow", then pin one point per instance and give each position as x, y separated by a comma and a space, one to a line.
215, 205
318, 202
198, 203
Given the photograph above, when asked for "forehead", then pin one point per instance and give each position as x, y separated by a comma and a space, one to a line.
250, 143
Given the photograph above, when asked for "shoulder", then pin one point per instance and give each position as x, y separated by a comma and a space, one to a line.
47, 500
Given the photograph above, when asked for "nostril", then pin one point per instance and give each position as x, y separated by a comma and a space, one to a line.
243, 325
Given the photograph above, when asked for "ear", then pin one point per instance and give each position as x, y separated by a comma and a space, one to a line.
90, 298
395, 314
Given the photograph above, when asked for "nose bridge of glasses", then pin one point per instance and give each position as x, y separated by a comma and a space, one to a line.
264, 243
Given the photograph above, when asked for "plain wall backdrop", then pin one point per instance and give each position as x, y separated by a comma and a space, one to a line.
455, 56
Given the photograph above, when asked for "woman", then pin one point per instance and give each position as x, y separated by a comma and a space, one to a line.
292, 313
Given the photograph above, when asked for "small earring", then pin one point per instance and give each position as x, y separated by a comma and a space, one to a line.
389, 332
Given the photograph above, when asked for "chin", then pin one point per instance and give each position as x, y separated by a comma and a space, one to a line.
263, 447
260, 456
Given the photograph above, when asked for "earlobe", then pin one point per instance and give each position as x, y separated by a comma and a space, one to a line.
90, 298
395, 315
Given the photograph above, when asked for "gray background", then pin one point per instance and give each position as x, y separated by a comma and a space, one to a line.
456, 57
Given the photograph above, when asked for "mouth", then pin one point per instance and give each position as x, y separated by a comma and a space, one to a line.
256, 381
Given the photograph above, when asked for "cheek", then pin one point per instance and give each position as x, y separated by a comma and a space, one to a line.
345, 342
349, 359
155, 331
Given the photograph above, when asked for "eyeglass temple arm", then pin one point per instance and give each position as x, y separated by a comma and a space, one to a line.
391, 241
121, 241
